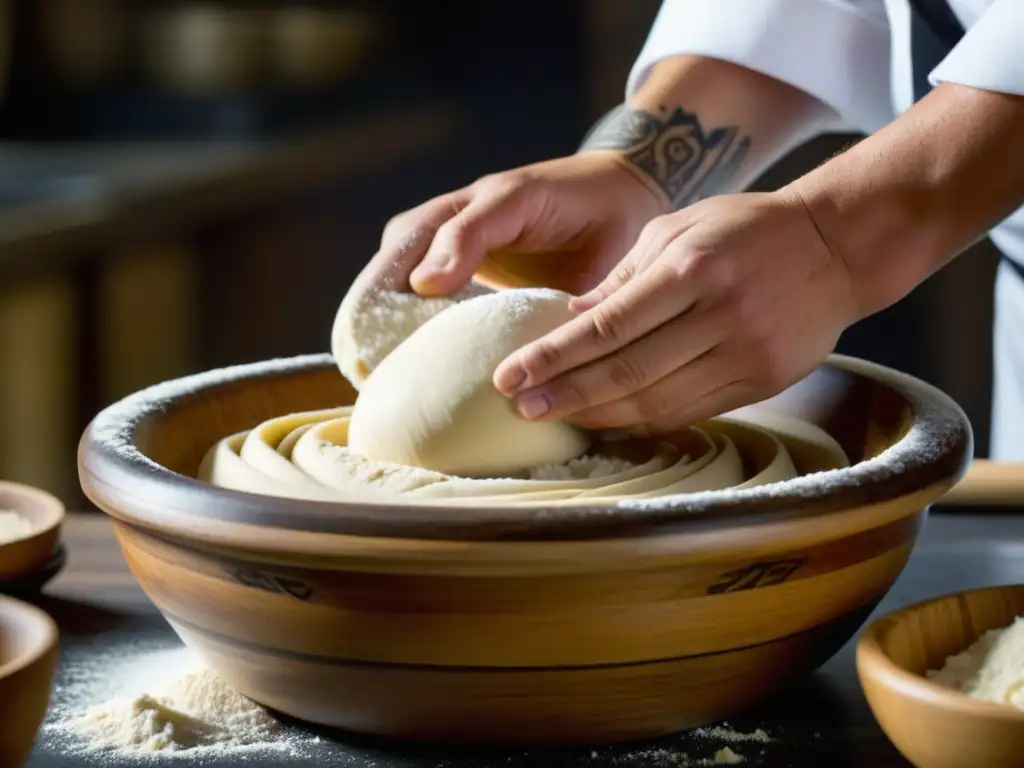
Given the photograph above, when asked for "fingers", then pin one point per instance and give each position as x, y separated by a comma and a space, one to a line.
406, 239
629, 370
650, 299
617, 278
706, 387
654, 238
489, 221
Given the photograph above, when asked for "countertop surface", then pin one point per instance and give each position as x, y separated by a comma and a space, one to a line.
822, 721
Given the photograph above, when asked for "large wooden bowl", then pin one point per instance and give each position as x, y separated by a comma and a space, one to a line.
560, 625
932, 726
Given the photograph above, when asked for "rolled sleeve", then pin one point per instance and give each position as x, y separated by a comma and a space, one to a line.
991, 55
835, 50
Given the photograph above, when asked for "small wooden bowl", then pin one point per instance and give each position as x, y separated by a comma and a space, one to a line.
933, 726
22, 557
547, 626
28, 661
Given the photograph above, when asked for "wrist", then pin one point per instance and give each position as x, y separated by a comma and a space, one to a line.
889, 223
654, 197
866, 233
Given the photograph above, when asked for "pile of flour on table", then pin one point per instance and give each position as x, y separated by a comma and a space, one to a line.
990, 670
162, 704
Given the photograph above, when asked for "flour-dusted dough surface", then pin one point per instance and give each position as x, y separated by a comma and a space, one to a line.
307, 456
371, 323
431, 403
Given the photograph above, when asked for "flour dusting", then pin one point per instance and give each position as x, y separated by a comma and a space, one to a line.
721, 739
13, 527
162, 705
379, 321
113, 429
992, 669
937, 430
588, 467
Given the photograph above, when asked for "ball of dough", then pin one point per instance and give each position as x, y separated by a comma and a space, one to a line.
431, 402
372, 322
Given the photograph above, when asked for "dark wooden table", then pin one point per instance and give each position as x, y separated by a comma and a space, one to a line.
821, 721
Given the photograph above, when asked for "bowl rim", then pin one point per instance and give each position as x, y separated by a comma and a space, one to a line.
56, 511
114, 472
23, 613
875, 665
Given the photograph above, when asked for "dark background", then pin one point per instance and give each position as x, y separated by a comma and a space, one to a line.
154, 224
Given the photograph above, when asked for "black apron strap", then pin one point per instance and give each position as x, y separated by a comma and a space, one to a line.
934, 32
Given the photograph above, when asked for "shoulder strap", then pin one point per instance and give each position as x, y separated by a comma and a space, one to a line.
934, 32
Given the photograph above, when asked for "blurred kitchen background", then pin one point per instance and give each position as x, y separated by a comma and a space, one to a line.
187, 185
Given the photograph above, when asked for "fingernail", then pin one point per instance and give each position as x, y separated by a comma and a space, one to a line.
508, 380
533, 406
581, 303
432, 266
427, 279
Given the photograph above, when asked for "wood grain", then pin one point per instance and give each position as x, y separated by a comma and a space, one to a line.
989, 484
932, 726
28, 663
95, 567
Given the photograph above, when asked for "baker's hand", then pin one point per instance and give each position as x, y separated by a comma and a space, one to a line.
720, 305
586, 210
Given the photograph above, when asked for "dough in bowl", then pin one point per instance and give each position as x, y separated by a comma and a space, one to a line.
431, 402
370, 323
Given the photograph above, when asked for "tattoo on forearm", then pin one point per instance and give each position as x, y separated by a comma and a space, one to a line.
673, 150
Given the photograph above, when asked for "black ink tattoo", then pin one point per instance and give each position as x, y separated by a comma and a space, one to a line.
684, 161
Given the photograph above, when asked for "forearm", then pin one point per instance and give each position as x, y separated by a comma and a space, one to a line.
900, 204
699, 127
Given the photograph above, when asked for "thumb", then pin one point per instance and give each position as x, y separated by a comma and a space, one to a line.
461, 244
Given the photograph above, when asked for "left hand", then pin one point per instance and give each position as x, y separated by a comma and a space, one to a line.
722, 304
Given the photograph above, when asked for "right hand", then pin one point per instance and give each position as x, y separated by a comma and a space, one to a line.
584, 210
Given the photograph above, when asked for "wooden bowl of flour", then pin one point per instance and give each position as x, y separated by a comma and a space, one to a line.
30, 521
28, 662
933, 725
543, 625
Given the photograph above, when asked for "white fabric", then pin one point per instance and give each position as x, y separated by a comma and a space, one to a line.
810, 44
991, 53
1006, 443
855, 57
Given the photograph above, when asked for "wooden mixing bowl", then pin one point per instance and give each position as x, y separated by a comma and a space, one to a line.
28, 661
933, 726
45, 513
558, 625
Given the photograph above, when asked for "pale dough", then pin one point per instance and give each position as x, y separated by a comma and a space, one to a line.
371, 323
432, 404
306, 456
429, 428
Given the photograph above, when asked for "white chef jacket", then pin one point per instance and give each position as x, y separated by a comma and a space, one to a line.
855, 57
